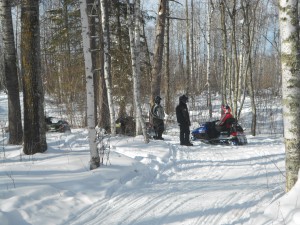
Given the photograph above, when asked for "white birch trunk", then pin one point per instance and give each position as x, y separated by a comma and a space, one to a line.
107, 67
209, 12
135, 59
95, 159
289, 34
192, 60
187, 56
11, 74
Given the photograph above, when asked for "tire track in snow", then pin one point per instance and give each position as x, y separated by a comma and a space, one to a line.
201, 185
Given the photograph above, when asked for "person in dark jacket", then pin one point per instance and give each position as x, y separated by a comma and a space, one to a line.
183, 119
158, 115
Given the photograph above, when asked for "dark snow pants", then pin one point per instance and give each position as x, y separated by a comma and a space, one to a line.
184, 134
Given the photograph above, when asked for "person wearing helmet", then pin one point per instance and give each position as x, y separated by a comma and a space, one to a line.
221, 125
158, 115
183, 119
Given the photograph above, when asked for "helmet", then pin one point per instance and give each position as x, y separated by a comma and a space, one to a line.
183, 99
227, 109
157, 99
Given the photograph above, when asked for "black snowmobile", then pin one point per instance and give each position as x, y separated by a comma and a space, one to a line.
208, 133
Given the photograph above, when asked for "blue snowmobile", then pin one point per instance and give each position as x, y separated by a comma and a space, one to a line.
210, 133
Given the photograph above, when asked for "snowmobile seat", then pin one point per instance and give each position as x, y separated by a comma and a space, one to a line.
230, 121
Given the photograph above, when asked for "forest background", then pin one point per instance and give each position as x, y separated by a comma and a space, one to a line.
63, 65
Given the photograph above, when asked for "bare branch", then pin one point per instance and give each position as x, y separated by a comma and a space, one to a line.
175, 18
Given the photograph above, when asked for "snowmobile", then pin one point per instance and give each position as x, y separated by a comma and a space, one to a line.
210, 133
56, 125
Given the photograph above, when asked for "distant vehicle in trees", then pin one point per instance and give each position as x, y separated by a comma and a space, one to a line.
125, 125
56, 125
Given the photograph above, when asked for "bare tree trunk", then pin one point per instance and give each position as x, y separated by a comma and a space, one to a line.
235, 70
187, 55
11, 75
33, 95
94, 155
167, 64
104, 116
236, 61
158, 50
107, 65
192, 60
93, 12
290, 62
208, 66
224, 51
248, 45
134, 34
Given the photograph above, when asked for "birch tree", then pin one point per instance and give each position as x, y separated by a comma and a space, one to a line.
249, 33
33, 95
192, 61
224, 51
187, 46
290, 49
235, 71
11, 74
134, 35
90, 106
104, 116
168, 105
208, 66
107, 75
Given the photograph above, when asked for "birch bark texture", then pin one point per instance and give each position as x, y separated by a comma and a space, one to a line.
134, 35
107, 74
289, 34
11, 74
90, 110
210, 10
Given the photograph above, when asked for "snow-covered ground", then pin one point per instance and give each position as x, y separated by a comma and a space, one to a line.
147, 184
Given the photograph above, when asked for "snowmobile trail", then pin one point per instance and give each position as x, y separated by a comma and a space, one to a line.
202, 184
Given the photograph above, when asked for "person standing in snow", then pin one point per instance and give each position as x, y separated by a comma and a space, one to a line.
183, 119
158, 115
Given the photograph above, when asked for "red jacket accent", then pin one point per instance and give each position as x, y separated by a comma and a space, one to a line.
224, 118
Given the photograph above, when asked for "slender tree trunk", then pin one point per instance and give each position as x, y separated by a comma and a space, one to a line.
187, 46
107, 65
167, 64
224, 52
104, 115
90, 111
192, 60
158, 50
93, 45
236, 61
235, 70
33, 95
11, 74
208, 66
248, 45
290, 62
134, 34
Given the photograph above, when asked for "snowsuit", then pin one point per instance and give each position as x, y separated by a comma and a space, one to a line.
221, 125
158, 116
183, 119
